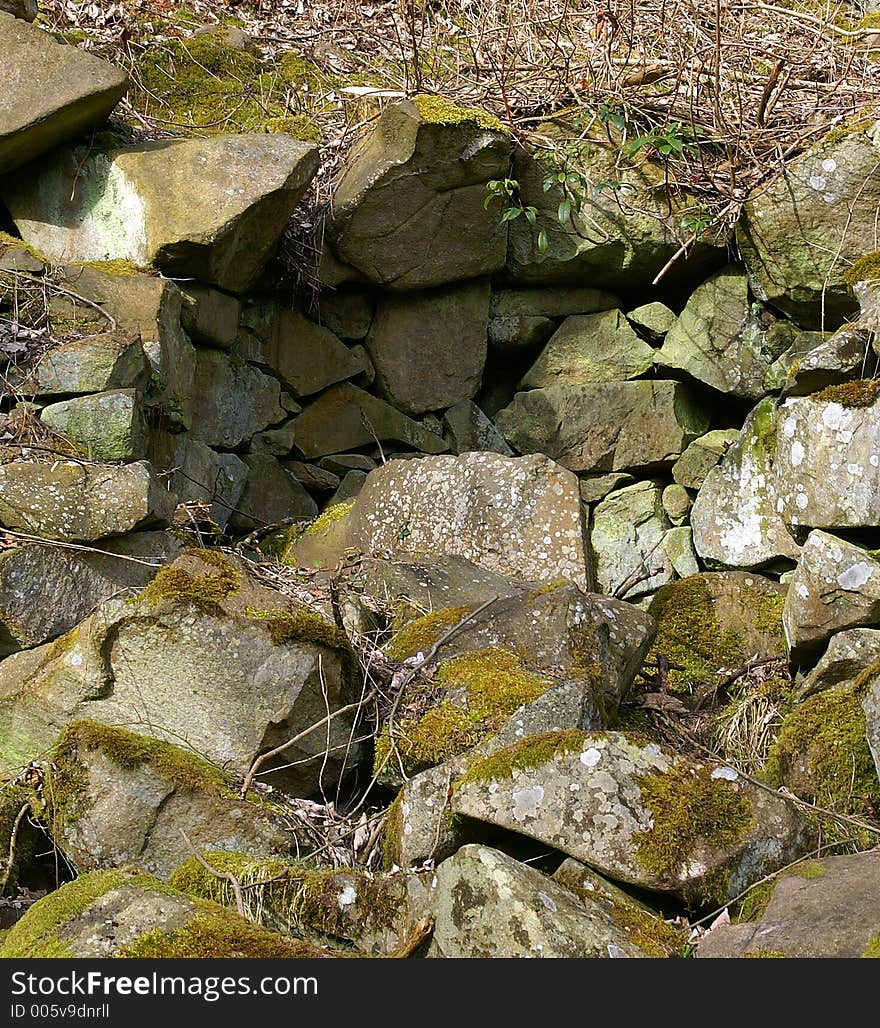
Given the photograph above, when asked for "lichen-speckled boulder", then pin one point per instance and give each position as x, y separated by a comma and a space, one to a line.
107, 360
718, 340
849, 653
409, 210
836, 586
800, 234
827, 460
71, 500
828, 907
869, 697
735, 519
51, 92
129, 913
120, 798
104, 426
519, 517
45, 590
137, 203
486, 904
636, 812
608, 426
204, 655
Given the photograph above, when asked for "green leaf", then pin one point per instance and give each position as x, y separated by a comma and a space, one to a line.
531, 214
564, 212
510, 214
543, 242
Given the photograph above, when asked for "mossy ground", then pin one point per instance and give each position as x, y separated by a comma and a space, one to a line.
442, 111
525, 755
862, 392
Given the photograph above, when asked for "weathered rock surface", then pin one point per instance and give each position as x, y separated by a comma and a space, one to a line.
735, 519
636, 812
104, 426
51, 92
235, 400
829, 361
409, 211
836, 586
109, 360
654, 319
45, 591
849, 653
210, 316
429, 349
528, 317
121, 798
70, 500
820, 908
137, 203
24, 9
589, 348
692, 467
869, 698
609, 426
468, 428
271, 494
201, 474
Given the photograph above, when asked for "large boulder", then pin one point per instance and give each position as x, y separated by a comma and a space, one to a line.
93, 364
137, 203
409, 210
429, 349
205, 655
129, 913
74, 500
51, 92
636, 812
607, 426
798, 235
104, 426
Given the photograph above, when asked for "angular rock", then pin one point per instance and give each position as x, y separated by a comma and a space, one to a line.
609, 426
345, 417
798, 236
347, 313
429, 349
121, 798
235, 400
636, 812
24, 9
468, 429
128, 913
210, 316
69, 500
594, 488
527, 317
654, 319
349, 487
104, 426
717, 339
313, 478
827, 458
626, 530
692, 467
271, 494
829, 361
51, 92
849, 653
473, 901
136, 203
200, 474
45, 591
275, 441
589, 348
110, 360
836, 586
409, 210
205, 655
678, 545
820, 908
735, 519
676, 503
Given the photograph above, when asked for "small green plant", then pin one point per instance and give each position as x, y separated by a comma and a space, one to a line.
507, 192
697, 220
675, 140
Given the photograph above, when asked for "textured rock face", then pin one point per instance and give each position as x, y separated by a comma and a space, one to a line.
68, 500
609, 426
799, 235
870, 701
200, 473
474, 900
630, 810
235, 400
468, 428
849, 653
270, 495
828, 361
828, 463
511, 516
429, 349
692, 467
836, 586
409, 212
24, 9
104, 426
110, 360
527, 317
51, 92
734, 517
137, 203
821, 908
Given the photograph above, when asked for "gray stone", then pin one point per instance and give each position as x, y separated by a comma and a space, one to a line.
275, 441
527, 317
609, 426
654, 319
349, 487
210, 316
51, 92
347, 313
836, 586
315, 479
468, 428
827, 362
24, 9
200, 474
235, 400
409, 210
429, 349
137, 203
678, 546
848, 654
519, 332
870, 701
110, 360
589, 348
104, 426
594, 488
270, 495
69, 500
339, 463
676, 503
692, 467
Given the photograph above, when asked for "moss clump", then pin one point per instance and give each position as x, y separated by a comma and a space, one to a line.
690, 811
329, 517
420, 635
860, 393
545, 590
119, 267
301, 625
299, 126
689, 635
391, 853
822, 753
8, 242
654, 936
204, 590
525, 755
865, 269
442, 111
762, 954
873, 947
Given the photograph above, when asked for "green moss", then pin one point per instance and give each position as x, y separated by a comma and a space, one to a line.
299, 126
442, 111
690, 810
551, 587
849, 126
869, 673
809, 869
329, 517
119, 267
420, 635
301, 625
822, 753
765, 429
8, 242
204, 590
866, 268
873, 947
529, 753
860, 393
763, 954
